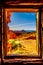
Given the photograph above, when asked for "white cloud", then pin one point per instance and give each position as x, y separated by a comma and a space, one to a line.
17, 25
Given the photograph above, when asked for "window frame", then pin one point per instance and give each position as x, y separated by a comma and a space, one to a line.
4, 46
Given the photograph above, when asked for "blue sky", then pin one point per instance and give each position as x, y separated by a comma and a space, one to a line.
22, 21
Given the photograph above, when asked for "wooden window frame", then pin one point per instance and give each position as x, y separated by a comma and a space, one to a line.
34, 8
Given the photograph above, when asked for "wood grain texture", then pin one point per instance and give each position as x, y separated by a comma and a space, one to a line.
17, 1
23, 61
38, 61
42, 30
0, 34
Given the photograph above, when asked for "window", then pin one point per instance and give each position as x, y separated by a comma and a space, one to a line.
21, 32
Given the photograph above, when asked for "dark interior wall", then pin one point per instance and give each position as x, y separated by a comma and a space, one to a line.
24, 0
0, 33
1, 28
42, 31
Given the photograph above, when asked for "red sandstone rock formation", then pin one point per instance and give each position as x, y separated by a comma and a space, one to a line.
11, 35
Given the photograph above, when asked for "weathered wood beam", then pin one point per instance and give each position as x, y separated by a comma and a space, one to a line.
13, 3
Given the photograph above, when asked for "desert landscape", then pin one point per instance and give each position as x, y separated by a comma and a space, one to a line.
21, 34
22, 43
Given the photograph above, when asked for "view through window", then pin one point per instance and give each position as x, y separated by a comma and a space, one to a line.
21, 34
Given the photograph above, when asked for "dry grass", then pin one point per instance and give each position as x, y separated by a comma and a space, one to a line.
28, 40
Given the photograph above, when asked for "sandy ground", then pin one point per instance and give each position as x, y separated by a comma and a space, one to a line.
31, 46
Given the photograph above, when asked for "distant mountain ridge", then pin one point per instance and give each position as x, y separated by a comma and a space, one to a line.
24, 30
